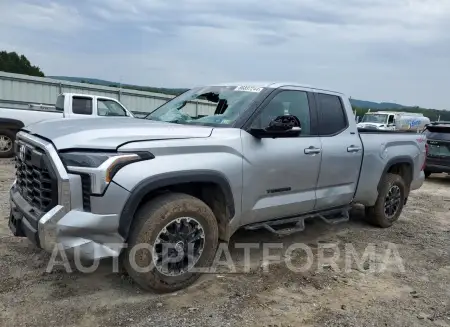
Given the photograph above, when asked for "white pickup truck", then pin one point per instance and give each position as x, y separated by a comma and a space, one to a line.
68, 105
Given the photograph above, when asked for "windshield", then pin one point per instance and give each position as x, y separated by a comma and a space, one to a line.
374, 118
213, 105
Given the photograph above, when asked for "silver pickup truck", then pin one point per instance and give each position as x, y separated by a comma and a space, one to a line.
269, 156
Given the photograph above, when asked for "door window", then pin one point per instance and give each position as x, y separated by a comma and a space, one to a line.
391, 119
82, 105
287, 102
109, 108
332, 117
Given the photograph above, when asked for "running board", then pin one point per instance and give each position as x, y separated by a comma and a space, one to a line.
330, 217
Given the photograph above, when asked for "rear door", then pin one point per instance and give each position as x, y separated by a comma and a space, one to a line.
341, 152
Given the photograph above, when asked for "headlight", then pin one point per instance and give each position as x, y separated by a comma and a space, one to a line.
100, 166
85, 159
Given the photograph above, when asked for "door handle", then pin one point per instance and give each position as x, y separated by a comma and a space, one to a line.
312, 150
353, 148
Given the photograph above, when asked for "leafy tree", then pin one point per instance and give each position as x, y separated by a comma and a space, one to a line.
11, 62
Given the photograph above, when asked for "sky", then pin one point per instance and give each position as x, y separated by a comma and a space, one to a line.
378, 50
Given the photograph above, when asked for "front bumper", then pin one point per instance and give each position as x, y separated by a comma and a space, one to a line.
81, 234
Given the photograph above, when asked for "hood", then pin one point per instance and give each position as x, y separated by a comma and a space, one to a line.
109, 133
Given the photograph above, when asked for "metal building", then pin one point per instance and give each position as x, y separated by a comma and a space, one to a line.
18, 91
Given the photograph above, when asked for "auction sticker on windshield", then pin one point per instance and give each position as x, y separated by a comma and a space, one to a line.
249, 89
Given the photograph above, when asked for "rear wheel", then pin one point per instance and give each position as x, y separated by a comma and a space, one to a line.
171, 235
390, 202
7, 138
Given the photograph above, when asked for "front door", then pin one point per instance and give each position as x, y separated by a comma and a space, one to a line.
280, 174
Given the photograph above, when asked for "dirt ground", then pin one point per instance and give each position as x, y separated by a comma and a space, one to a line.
325, 295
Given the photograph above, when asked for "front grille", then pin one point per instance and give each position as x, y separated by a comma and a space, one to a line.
86, 186
35, 178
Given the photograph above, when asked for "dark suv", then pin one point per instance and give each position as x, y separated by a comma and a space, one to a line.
438, 140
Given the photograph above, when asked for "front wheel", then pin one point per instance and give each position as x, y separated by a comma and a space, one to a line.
7, 138
427, 173
390, 201
171, 235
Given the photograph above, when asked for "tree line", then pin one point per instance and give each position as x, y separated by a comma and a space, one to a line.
11, 62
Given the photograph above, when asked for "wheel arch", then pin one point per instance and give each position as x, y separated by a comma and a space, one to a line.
12, 124
403, 166
209, 186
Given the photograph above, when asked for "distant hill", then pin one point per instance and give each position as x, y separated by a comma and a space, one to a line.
376, 105
176, 91
102, 82
83, 79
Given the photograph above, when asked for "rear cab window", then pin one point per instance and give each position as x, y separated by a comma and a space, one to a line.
82, 105
331, 114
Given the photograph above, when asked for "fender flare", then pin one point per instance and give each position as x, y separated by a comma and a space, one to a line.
394, 161
9, 123
168, 179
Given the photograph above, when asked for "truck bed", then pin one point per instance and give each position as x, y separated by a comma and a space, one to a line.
381, 150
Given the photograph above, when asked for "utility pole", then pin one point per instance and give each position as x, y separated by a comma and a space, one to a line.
120, 88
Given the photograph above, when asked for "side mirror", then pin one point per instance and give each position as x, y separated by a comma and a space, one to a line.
282, 126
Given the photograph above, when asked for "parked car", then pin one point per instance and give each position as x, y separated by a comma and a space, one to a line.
271, 156
438, 141
68, 105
